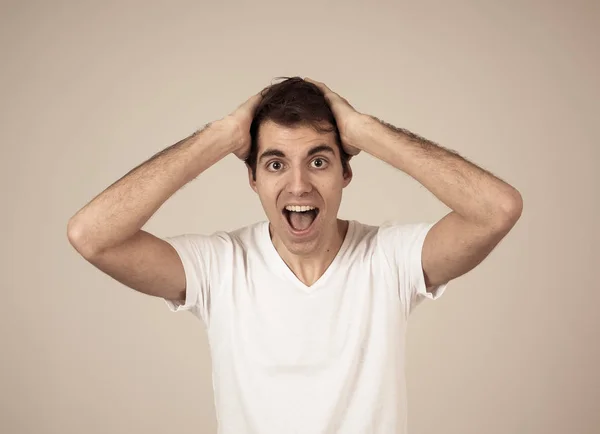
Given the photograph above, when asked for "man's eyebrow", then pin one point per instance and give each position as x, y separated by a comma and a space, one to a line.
312, 151
320, 148
271, 153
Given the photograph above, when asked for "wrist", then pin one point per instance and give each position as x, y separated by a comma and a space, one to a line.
210, 144
234, 133
222, 134
357, 129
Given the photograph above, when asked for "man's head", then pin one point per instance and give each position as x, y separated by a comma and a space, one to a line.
294, 102
297, 158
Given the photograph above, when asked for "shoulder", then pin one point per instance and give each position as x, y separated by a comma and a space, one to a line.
248, 238
392, 239
390, 231
221, 243
395, 231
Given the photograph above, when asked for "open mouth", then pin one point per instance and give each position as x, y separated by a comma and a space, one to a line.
300, 218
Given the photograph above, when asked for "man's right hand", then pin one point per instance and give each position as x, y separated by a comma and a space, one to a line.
240, 120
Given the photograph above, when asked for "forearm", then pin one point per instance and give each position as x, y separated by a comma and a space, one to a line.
123, 208
470, 191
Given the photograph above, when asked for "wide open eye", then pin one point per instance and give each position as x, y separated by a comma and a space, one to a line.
319, 163
274, 166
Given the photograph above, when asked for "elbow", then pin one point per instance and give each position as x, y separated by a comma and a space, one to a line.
79, 239
514, 206
510, 210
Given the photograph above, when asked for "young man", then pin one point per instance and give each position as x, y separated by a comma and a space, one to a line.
305, 312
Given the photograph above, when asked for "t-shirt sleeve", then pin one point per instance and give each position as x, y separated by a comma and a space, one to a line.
201, 255
402, 244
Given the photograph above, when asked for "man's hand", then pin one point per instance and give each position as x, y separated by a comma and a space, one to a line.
240, 120
484, 208
346, 117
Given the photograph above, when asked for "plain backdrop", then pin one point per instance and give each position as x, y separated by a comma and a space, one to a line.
91, 89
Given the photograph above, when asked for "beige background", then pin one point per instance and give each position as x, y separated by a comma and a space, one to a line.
89, 91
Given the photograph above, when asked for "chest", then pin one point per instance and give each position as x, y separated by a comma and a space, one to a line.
274, 321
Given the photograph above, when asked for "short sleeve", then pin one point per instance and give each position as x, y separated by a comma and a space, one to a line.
402, 244
200, 255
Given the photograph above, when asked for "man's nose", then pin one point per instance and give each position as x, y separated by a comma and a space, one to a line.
298, 182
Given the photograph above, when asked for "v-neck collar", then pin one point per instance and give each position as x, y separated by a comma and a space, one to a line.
284, 269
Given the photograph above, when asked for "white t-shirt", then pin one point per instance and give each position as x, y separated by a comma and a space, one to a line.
293, 359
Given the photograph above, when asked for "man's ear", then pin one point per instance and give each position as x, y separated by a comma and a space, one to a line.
347, 174
251, 180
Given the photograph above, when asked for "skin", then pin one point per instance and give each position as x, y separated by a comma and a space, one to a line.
302, 167
484, 208
108, 232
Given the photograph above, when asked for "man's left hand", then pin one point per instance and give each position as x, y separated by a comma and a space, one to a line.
347, 118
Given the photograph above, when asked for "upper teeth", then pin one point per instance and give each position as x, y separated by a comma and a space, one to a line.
298, 208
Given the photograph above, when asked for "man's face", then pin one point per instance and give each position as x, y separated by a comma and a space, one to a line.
299, 180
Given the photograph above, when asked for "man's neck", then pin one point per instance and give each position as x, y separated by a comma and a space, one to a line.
309, 268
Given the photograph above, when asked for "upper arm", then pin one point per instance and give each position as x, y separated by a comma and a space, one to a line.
145, 263
454, 246
401, 248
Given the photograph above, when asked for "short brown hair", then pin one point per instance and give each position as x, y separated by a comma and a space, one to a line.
289, 103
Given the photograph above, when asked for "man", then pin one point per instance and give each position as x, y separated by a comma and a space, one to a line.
305, 312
